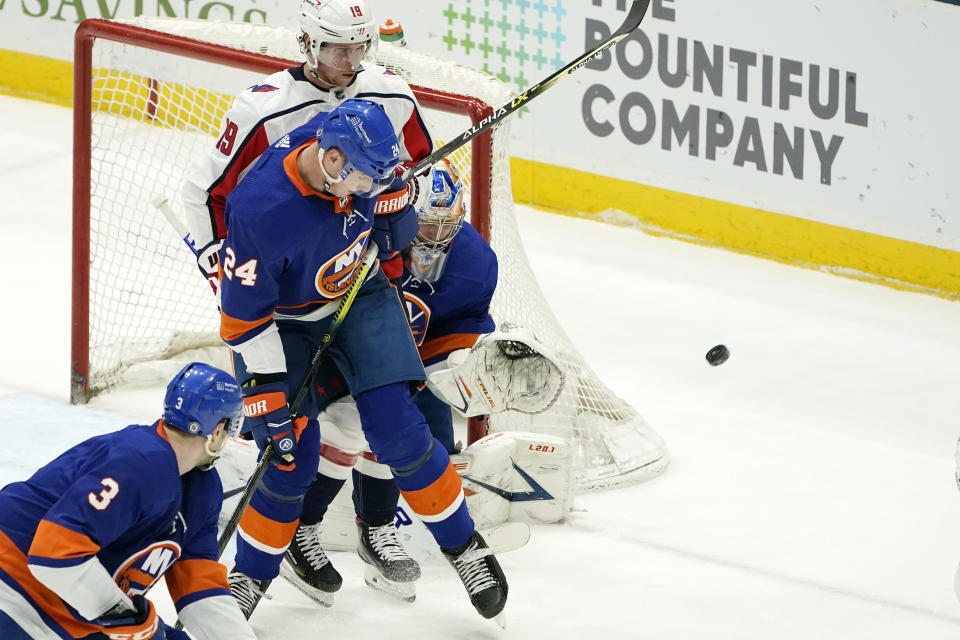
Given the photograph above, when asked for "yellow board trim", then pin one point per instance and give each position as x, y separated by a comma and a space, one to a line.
856, 254
25, 75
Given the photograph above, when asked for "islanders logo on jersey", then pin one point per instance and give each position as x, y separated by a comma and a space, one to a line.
336, 274
419, 315
141, 571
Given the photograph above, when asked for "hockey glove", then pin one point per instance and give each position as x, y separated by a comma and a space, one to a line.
122, 623
265, 410
394, 231
210, 265
171, 633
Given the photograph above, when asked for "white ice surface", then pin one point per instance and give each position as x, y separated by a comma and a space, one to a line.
810, 493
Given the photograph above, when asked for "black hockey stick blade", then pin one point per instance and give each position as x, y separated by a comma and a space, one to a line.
637, 11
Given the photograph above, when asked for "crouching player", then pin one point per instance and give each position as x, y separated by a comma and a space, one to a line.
85, 538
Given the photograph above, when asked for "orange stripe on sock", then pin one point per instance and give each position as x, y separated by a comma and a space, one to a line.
437, 497
14, 563
56, 541
266, 530
191, 576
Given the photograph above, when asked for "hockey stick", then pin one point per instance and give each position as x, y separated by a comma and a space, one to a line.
163, 204
338, 317
637, 10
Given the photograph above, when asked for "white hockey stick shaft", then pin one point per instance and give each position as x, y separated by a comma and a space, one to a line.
162, 203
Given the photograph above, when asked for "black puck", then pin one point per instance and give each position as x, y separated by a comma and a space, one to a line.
718, 355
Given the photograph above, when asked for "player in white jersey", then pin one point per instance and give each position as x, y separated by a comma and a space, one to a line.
336, 36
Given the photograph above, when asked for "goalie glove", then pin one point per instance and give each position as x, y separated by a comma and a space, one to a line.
508, 369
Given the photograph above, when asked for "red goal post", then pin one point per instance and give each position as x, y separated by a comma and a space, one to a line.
90, 30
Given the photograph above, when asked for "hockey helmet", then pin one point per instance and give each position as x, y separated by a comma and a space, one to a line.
200, 397
440, 212
341, 33
361, 130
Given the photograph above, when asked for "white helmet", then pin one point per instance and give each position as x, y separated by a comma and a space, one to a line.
329, 23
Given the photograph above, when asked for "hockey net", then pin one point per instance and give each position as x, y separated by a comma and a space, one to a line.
150, 94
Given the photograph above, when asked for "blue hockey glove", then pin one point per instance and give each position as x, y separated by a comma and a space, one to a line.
121, 623
265, 410
171, 633
394, 231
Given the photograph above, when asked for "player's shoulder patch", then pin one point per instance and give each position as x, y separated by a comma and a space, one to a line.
418, 315
263, 88
382, 80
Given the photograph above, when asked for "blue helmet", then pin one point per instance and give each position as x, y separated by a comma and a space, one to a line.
363, 132
200, 397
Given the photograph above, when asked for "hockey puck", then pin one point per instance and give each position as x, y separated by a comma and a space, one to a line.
718, 355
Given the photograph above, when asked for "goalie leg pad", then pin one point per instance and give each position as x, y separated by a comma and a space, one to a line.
517, 476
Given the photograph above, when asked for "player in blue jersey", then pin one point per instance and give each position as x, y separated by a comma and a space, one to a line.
445, 315
85, 538
338, 39
449, 279
297, 228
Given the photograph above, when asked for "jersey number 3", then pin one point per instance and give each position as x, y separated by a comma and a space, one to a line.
107, 494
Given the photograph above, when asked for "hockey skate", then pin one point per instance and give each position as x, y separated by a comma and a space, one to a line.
481, 575
247, 591
387, 567
307, 567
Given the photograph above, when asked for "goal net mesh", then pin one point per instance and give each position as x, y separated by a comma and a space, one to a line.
150, 310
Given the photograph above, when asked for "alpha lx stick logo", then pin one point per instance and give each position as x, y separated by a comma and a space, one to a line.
537, 492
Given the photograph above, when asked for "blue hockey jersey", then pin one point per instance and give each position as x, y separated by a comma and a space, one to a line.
290, 251
118, 500
453, 312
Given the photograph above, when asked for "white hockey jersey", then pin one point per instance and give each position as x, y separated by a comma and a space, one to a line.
262, 115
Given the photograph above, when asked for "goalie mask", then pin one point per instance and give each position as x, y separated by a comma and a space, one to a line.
440, 212
340, 34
